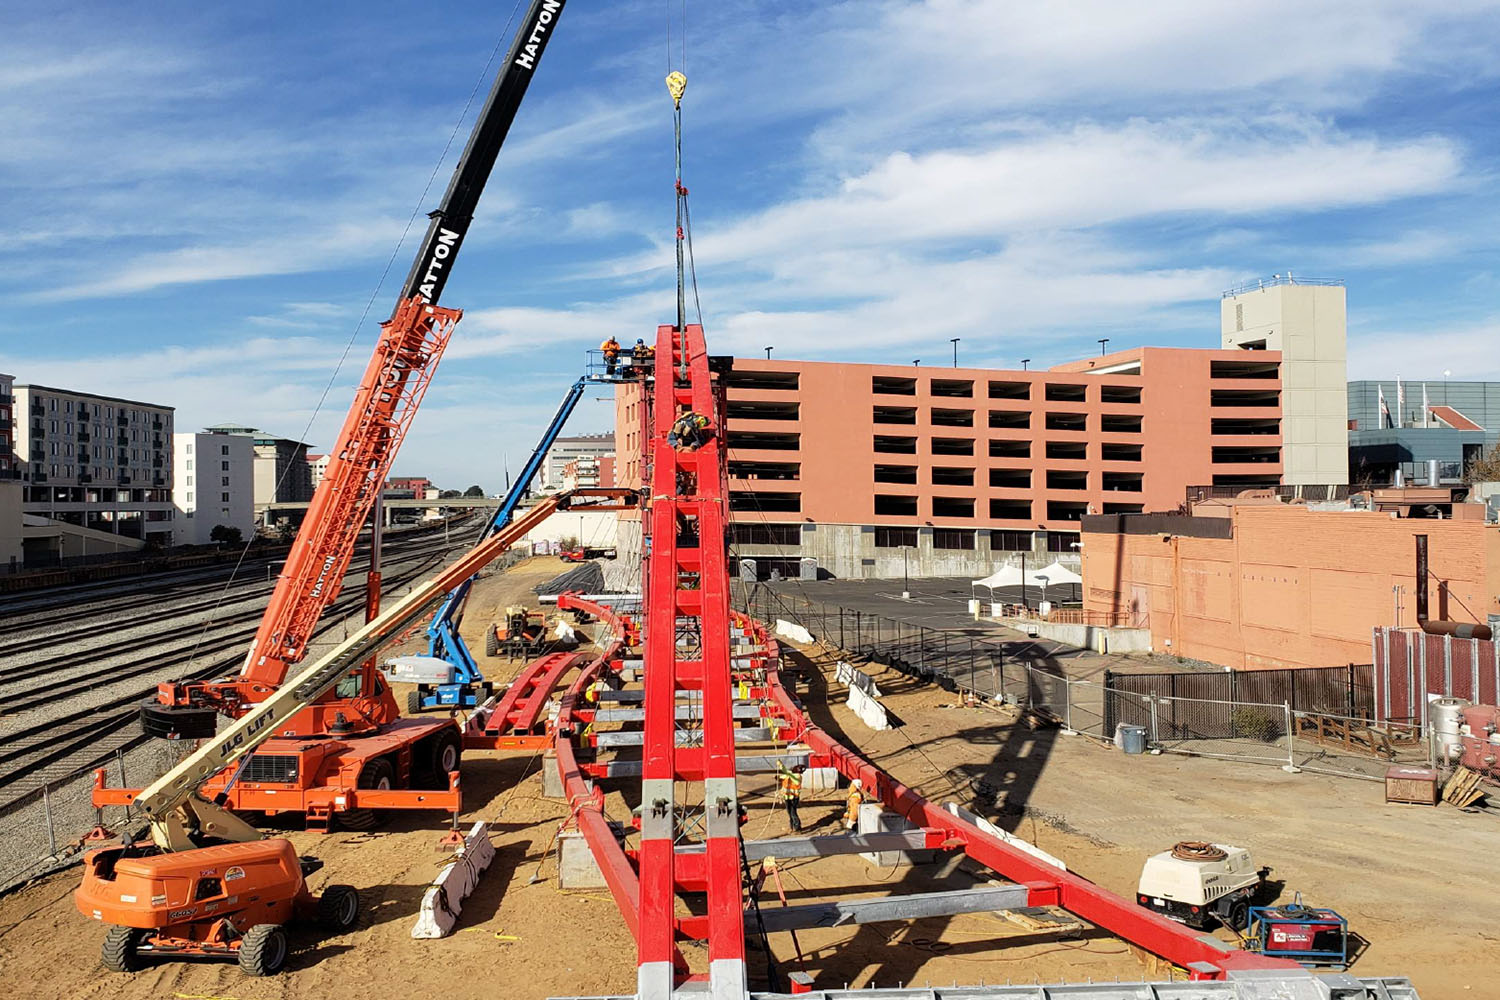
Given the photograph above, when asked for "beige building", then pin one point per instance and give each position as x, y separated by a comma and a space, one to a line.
283, 471
96, 462
1303, 320
215, 485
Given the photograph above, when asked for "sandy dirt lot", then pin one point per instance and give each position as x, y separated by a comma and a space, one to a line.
1412, 881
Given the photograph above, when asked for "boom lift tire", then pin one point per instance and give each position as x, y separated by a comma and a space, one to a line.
121, 949
263, 950
414, 701
377, 774
338, 908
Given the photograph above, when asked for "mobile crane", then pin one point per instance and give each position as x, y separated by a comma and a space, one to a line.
353, 736
206, 885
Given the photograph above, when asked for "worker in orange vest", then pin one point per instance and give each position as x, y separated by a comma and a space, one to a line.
611, 350
851, 805
789, 784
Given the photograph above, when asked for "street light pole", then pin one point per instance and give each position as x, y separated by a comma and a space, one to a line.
905, 583
1024, 363
954, 341
768, 354
1102, 342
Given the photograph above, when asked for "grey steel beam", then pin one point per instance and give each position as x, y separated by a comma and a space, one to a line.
826, 847
981, 899
685, 737
760, 764
1288, 985
685, 713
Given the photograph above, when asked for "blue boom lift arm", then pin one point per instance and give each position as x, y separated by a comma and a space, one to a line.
443, 640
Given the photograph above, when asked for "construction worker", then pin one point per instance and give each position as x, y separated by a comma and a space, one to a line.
641, 357
689, 433
852, 803
789, 785
611, 350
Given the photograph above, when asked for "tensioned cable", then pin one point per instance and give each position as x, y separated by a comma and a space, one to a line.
369, 304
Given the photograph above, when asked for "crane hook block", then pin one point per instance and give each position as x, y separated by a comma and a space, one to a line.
676, 85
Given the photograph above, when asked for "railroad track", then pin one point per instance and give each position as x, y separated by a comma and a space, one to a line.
72, 604
188, 631
63, 745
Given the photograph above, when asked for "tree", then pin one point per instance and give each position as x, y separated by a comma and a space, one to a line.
225, 535
1484, 470
474, 491
449, 494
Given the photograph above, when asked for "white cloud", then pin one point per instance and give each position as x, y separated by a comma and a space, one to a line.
1424, 353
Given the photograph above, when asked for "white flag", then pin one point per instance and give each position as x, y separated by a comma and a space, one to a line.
1400, 403
1426, 408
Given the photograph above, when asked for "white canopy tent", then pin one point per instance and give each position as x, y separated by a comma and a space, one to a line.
1056, 575
1010, 576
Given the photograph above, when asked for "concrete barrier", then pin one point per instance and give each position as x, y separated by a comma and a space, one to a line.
792, 631
999, 834
445, 895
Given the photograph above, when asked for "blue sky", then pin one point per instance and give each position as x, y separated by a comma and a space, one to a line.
197, 201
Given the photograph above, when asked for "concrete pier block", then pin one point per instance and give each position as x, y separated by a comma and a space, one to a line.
576, 868
873, 818
552, 783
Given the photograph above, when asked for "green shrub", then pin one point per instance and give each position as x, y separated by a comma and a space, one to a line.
1254, 724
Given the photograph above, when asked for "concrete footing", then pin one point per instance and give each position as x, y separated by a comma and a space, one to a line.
873, 818
576, 867
552, 783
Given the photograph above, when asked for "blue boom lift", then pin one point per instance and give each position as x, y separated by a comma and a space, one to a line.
468, 688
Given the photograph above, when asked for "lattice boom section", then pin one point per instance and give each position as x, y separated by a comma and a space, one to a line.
411, 344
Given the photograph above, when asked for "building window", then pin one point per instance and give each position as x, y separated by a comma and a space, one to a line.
895, 506
766, 534
190, 497
223, 449
1062, 541
953, 538
1005, 540
895, 538
952, 506
223, 497
224, 466
224, 481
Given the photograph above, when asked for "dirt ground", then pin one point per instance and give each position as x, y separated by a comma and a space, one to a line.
1415, 883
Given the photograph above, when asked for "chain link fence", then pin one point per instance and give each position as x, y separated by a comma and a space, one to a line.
44, 830
1321, 731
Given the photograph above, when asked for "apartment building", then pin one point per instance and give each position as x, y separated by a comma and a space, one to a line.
11, 551
97, 462
10, 465
283, 472
876, 470
215, 485
589, 470
317, 465
566, 449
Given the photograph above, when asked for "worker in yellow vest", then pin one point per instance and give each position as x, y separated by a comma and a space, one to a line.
789, 785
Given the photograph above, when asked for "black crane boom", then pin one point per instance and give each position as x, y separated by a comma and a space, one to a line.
451, 219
